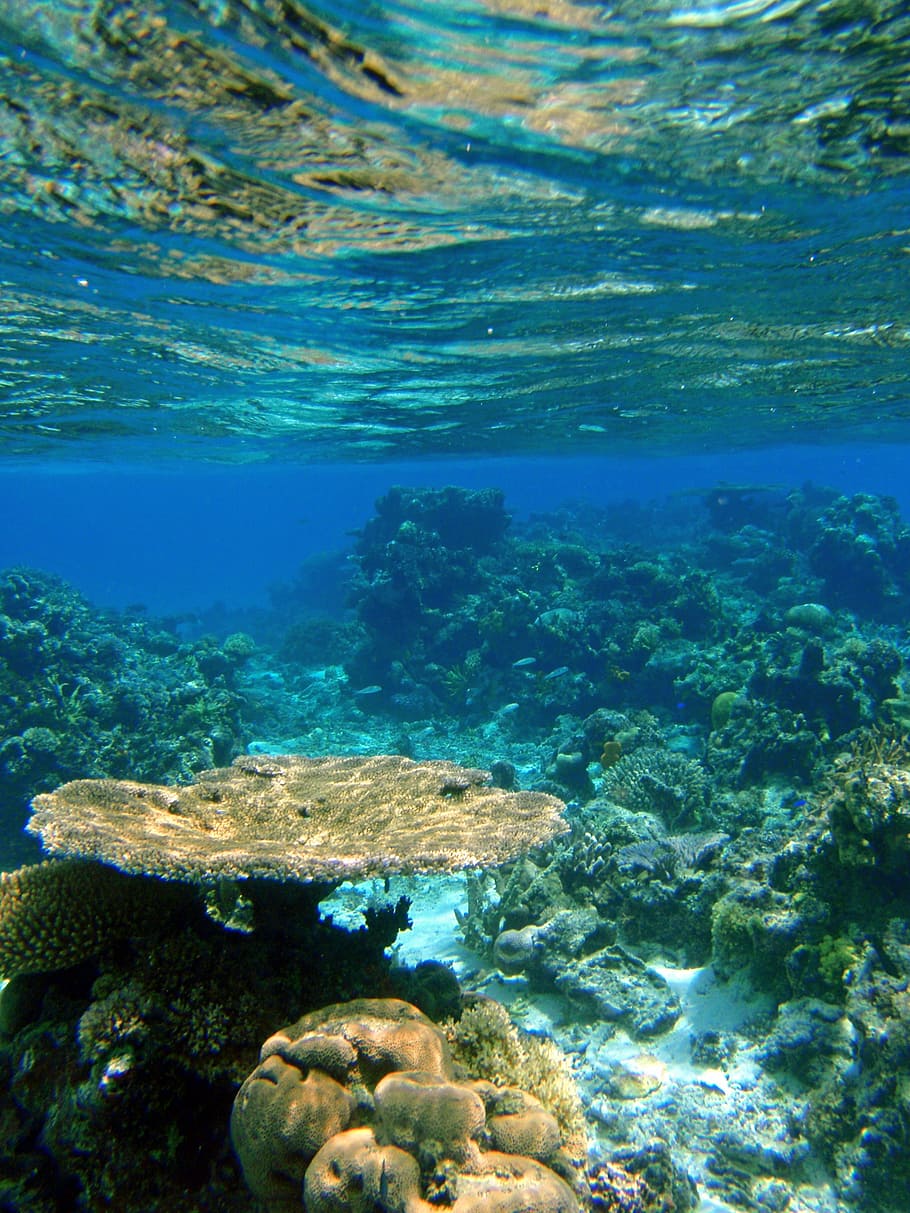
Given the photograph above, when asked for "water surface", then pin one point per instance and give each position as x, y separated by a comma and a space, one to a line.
245, 230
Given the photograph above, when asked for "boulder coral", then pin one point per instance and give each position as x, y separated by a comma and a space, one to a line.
360, 1107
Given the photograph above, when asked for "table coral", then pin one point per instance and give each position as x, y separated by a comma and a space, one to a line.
287, 817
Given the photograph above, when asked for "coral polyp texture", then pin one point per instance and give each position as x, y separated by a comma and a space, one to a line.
360, 1107
313, 819
55, 914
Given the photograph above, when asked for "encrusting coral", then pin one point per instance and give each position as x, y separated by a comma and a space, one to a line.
287, 817
362, 1104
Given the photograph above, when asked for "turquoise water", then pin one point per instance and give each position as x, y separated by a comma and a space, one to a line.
240, 232
619, 293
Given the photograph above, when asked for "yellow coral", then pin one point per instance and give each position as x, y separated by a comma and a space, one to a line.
61, 912
611, 752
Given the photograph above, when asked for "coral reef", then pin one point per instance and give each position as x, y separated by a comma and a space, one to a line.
134, 1053
862, 552
100, 694
718, 691
486, 1043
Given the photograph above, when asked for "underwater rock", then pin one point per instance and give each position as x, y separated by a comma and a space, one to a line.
574, 952
857, 1105
620, 989
755, 928
811, 1040
764, 742
514, 951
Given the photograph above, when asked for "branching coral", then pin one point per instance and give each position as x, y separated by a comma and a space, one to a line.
652, 780
59, 913
488, 1045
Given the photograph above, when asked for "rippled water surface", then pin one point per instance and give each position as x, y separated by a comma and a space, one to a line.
248, 229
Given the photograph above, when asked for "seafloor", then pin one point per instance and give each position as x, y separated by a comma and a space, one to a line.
715, 686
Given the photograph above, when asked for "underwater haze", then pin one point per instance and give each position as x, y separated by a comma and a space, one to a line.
455, 589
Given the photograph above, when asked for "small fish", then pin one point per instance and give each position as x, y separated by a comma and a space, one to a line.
370, 690
557, 673
523, 662
508, 709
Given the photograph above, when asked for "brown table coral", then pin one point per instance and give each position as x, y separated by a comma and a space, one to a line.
287, 817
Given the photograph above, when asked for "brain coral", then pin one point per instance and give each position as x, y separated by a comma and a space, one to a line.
360, 1102
309, 819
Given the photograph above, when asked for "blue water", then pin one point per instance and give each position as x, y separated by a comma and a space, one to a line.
262, 260
181, 539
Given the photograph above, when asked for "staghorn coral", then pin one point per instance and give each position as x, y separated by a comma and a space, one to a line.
61, 912
332, 819
361, 1103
